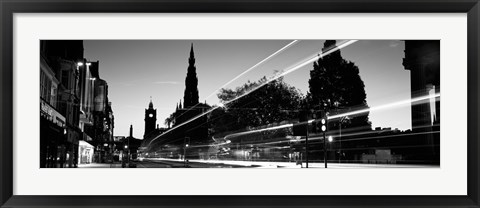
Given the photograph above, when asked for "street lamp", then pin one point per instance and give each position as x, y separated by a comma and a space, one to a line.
123, 160
330, 140
128, 154
340, 137
185, 149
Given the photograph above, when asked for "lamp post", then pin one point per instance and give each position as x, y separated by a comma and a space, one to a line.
86, 83
128, 151
340, 138
306, 146
83, 84
123, 161
330, 140
185, 149
185, 155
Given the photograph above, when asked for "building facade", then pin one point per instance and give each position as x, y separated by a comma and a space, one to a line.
73, 106
150, 119
422, 58
59, 103
99, 111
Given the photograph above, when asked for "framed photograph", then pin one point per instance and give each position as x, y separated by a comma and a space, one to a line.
239, 104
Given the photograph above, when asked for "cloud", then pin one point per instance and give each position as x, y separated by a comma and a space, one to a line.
166, 82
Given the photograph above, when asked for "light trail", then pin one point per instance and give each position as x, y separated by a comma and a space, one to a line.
372, 109
387, 106
314, 138
298, 66
259, 130
248, 70
254, 66
284, 72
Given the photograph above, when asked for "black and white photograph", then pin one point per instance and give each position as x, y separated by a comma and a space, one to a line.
239, 103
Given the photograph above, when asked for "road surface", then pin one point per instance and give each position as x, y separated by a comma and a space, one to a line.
175, 163
146, 163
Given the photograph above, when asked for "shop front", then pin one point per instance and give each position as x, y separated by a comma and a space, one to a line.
85, 152
53, 138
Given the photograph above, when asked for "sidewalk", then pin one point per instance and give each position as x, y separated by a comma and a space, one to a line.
101, 165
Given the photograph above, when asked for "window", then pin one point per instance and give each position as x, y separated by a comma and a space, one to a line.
53, 99
48, 86
42, 84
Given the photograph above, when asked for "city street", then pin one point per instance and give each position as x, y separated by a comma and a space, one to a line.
259, 120
166, 163
100, 165
174, 163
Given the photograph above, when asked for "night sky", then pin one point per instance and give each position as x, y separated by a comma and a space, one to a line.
138, 69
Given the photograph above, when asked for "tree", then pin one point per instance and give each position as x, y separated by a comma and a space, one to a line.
271, 103
335, 84
168, 121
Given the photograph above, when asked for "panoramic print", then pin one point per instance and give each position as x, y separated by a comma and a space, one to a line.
239, 104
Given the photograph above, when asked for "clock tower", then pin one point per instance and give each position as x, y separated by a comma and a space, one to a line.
150, 119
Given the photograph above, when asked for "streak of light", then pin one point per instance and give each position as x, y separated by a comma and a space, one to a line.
292, 69
416, 100
313, 138
425, 98
259, 130
284, 72
255, 66
377, 137
250, 69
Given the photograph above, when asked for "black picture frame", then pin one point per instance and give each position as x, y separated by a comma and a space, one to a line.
10, 7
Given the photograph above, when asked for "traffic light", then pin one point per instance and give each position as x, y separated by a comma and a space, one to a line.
321, 123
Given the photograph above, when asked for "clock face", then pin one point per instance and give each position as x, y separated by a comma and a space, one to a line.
150, 115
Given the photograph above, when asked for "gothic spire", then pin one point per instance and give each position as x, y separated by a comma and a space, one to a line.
150, 105
190, 97
191, 52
